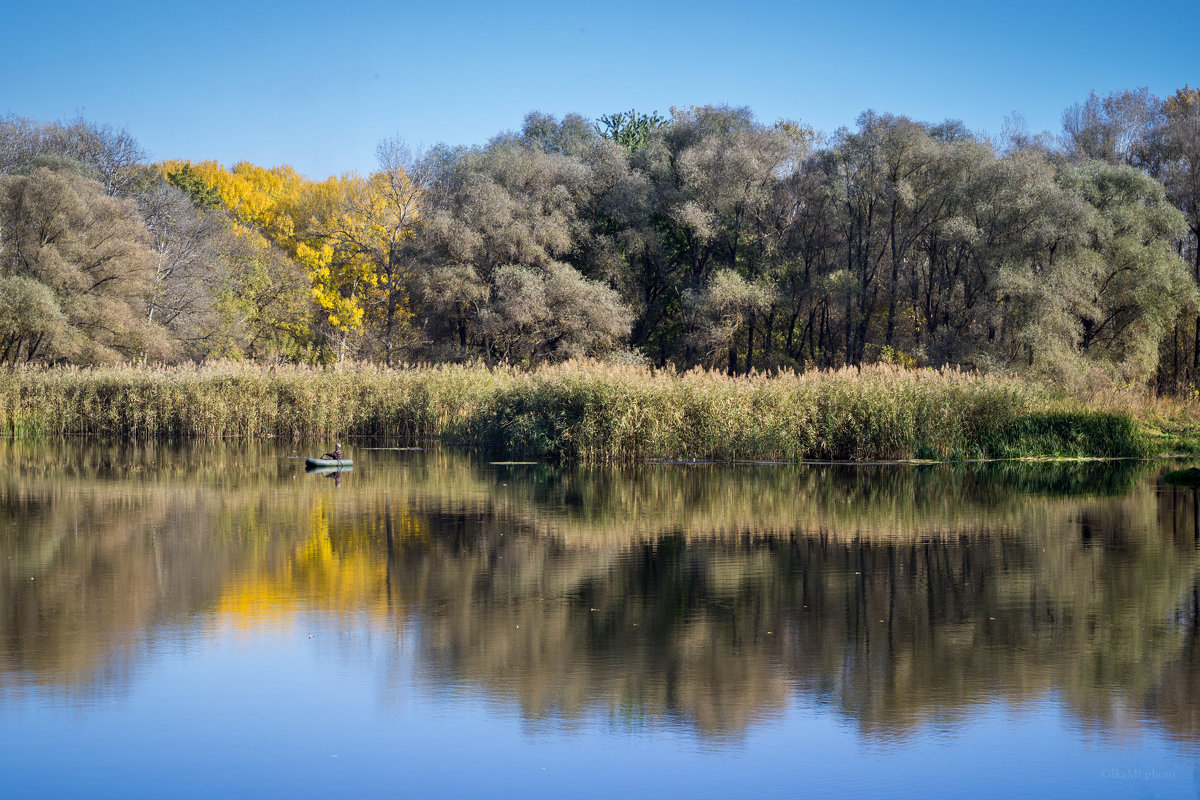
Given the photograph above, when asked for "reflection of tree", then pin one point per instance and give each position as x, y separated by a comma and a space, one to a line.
1175, 702
346, 574
84, 576
103, 546
893, 633
710, 596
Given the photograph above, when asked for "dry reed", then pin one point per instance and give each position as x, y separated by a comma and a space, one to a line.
579, 411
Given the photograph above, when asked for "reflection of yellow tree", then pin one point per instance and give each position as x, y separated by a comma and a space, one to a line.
345, 570
107, 547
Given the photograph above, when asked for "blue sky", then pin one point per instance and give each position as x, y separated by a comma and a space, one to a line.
318, 85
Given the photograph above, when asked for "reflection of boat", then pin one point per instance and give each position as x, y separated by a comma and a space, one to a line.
311, 470
317, 463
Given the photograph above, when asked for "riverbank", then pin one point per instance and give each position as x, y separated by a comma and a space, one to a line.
596, 413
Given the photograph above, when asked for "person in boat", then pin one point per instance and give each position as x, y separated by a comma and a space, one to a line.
337, 452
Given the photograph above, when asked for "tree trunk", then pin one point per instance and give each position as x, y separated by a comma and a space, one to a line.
750, 344
849, 332
792, 333
387, 330
768, 335
1196, 338
895, 280
1175, 359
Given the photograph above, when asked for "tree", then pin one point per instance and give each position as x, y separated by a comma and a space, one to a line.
91, 251
551, 313
20, 140
313, 223
1134, 282
114, 154
32, 323
1177, 142
191, 183
1114, 128
631, 129
266, 308
720, 311
189, 271
372, 219
856, 173
713, 175
500, 224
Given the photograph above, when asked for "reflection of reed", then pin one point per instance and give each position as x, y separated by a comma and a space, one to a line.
710, 595
598, 508
605, 506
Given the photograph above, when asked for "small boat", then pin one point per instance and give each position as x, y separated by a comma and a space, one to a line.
327, 470
317, 463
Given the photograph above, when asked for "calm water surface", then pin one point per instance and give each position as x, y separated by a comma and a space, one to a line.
210, 621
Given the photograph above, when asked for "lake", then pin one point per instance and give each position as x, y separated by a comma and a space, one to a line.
209, 620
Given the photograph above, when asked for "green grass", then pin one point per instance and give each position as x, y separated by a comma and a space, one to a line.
580, 411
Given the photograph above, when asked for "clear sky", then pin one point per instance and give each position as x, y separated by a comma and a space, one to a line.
317, 85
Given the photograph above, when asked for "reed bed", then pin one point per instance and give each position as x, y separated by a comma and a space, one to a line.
579, 411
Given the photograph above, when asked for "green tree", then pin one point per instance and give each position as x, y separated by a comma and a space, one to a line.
193, 184
93, 252
32, 323
631, 129
1134, 283
501, 227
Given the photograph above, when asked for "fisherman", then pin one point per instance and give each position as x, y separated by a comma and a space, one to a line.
337, 452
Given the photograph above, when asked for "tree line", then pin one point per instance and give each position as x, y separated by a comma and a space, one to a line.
705, 237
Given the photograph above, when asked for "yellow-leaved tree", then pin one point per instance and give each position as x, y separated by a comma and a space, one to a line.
345, 232
362, 225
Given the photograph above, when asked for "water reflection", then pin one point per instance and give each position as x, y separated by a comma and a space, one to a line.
709, 597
